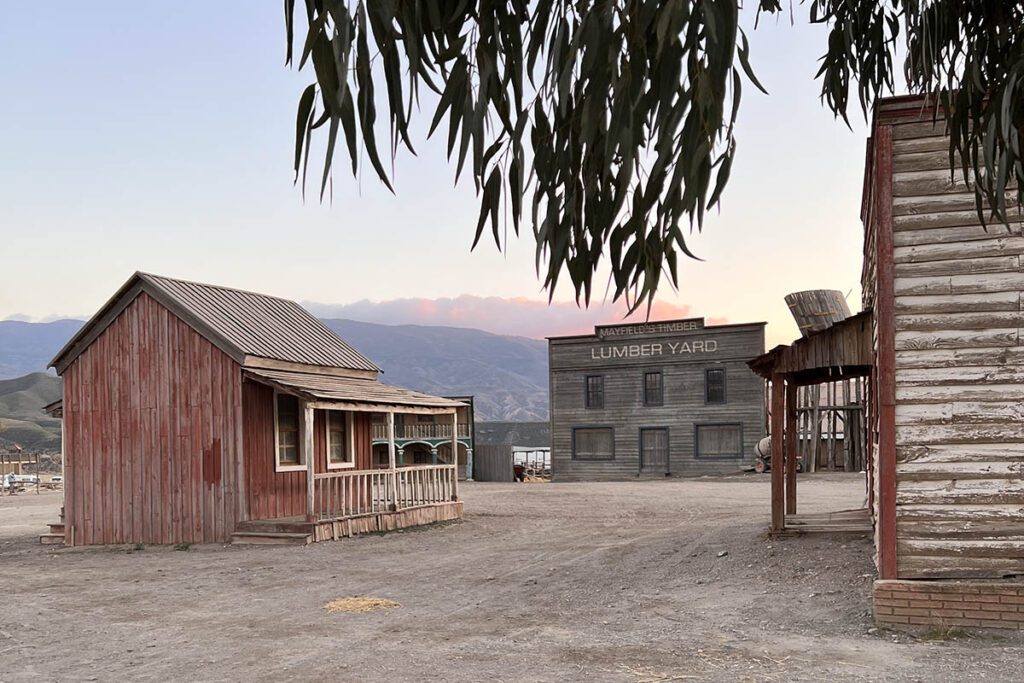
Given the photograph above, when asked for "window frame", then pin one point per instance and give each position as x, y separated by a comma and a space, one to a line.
350, 464
661, 388
725, 387
575, 429
696, 440
586, 392
301, 464
668, 445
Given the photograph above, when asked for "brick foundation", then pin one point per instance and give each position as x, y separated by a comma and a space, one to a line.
978, 604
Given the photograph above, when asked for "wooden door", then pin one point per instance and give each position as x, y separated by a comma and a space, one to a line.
654, 449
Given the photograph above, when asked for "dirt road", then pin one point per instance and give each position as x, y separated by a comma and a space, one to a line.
615, 582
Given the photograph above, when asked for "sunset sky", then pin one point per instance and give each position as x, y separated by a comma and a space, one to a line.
159, 137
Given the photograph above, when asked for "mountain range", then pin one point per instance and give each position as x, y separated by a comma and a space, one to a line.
507, 375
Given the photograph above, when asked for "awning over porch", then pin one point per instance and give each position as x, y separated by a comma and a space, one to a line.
840, 351
349, 393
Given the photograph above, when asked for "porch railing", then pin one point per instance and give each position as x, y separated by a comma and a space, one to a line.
337, 495
420, 431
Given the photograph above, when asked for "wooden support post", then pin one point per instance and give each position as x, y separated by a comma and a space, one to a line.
392, 475
815, 427
778, 413
309, 458
791, 445
455, 454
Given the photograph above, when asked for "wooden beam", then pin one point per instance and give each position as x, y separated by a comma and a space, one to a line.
885, 318
778, 409
792, 440
309, 457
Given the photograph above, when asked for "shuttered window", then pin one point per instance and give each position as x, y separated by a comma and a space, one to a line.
719, 441
595, 391
593, 443
286, 413
653, 389
654, 447
714, 385
339, 440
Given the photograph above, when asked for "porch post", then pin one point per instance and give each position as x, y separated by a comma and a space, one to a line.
455, 453
791, 443
309, 458
391, 441
778, 409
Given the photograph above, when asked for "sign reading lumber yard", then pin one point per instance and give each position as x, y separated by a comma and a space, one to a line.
654, 350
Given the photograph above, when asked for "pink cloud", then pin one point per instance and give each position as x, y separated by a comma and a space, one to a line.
516, 316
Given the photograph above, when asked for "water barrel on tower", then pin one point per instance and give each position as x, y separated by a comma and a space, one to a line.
817, 309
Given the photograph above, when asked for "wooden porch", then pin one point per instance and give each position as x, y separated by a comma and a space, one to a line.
355, 502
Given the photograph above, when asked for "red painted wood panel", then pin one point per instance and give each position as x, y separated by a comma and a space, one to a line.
151, 409
273, 494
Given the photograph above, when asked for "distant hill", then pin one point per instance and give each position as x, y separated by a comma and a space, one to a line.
507, 375
28, 347
22, 421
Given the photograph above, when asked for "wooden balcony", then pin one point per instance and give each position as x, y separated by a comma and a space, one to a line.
425, 430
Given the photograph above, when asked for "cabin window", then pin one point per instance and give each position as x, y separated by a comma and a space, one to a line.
719, 441
595, 391
593, 443
714, 386
653, 389
286, 428
340, 440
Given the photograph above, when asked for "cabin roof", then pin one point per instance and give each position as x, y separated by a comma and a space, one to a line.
243, 324
354, 393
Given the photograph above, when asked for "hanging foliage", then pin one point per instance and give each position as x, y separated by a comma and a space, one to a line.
608, 126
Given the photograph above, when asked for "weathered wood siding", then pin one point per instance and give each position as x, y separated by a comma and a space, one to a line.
272, 494
573, 358
959, 370
153, 434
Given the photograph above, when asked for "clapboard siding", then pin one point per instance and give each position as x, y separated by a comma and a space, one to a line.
959, 369
152, 442
571, 360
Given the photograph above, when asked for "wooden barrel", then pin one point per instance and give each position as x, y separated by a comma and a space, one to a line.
817, 309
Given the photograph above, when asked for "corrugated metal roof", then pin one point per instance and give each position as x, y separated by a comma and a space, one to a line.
349, 390
262, 325
241, 323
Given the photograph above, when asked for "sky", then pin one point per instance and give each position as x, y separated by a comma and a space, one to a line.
159, 137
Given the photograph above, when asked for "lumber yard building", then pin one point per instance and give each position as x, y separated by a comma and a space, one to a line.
664, 398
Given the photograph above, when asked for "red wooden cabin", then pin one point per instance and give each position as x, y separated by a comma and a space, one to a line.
200, 414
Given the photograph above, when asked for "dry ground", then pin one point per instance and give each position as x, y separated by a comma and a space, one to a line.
542, 582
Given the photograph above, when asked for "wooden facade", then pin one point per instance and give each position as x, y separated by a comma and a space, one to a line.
171, 427
676, 431
150, 384
947, 295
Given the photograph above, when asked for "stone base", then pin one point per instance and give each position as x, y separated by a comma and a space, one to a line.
948, 604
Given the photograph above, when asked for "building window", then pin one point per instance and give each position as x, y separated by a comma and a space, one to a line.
654, 389
654, 448
286, 431
593, 443
719, 441
595, 391
714, 386
340, 443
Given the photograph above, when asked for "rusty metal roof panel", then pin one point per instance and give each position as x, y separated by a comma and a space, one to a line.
331, 388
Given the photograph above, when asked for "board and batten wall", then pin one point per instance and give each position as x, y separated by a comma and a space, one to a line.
959, 363
572, 359
152, 420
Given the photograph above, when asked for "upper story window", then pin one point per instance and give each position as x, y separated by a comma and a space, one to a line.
654, 389
714, 385
340, 443
286, 431
595, 391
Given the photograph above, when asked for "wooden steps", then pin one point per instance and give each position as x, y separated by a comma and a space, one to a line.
270, 538
56, 534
